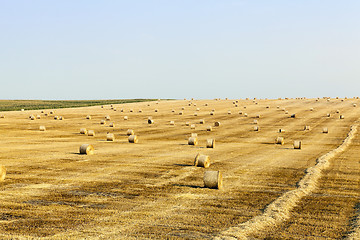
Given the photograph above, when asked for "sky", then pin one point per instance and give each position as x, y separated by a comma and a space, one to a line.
119, 49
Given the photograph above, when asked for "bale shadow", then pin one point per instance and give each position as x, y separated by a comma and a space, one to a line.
188, 186
183, 165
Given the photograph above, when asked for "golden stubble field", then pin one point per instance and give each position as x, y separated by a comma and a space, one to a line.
152, 190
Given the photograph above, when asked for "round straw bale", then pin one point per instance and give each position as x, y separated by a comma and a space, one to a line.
131, 110
52, 112
306, 127
245, 114
121, 110
229, 112
210, 143
91, 133
130, 132
236, 105
211, 113
42, 128
195, 114
56, 117
202, 121
193, 141
107, 118
286, 112
173, 110
328, 115
256, 128
2, 173
183, 108
187, 124
32, 117
114, 109
111, 125
311, 109
209, 128
293, 115
156, 110
140, 111
337, 111
102, 122
2, 116
88, 117
150, 121
181, 113
38, 116
257, 116
240, 112
102, 106
86, 149
42, 111
194, 104
126, 118
46, 114
133, 139
213, 179
217, 124
197, 109
83, 131
110, 137
279, 140
297, 144
202, 161
192, 126
206, 104
325, 130
193, 135
342, 117
267, 106
172, 123
255, 121
111, 105
281, 130
22, 109
61, 118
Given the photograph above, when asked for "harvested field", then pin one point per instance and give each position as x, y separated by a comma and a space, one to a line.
153, 190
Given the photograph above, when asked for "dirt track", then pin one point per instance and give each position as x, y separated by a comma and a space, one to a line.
151, 190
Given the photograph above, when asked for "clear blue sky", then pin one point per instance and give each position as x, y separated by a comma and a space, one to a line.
86, 49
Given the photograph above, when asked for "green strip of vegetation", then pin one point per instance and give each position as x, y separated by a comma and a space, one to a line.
16, 105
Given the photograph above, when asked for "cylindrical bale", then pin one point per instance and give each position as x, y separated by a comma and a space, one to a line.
110, 137
209, 128
325, 130
293, 115
180, 113
173, 110
307, 128
172, 123
256, 128
183, 108
337, 111
311, 109
112, 125
83, 131
2, 116
91, 133
211, 113
131, 110
192, 126
156, 110
328, 115
236, 105
32, 117
240, 112
187, 124
194, 135
140, 111
61, 118
130, 132
279, 140
286, 112
86, 149
245, 114
197, 109
202, 161
297, 144
229, 112
281, 130
217, 124
38, 117
195, 114
88, 117
150, 121
133, 139
42, 128
193, 141
107, 118
52, 112
354, 105
255, 121
342, 117
102, 122
202, 121
257, 116
2, 173
126, 118
210, 143
213, 179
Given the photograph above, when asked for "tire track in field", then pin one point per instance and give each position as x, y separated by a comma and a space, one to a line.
279, 210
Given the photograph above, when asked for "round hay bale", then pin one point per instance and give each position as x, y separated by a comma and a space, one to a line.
107, 118
46, 114
342, 117
32, 117
2, 116
172, 110
217, 124
213, 179
210, 143
192, 126
42, 128
102, 122
102, 106
277, 107
156, 110
183, 108
150, 121
83, 131
193, 141
140, 110
194, 135
211, 113
202, 121
197, 109
61, 118
256, 128
245, 114
337, 111
293, 116
130, 132
133, 139
172, 123
255, 121
328, 115
297, 144
195, 114
236, 105
229, 112
267, 106
325, 130
286, 112
202, 161
2, 173
42, 111
111, 125
240, 112
126, 118
110, 137
56, 117
311, 109
206, 104
281, 130
22, 109
121, 110
52, 112
194, 104
307, 128
209, 128
181, 113
257, 116
38, 117
86, 149
131, 110
91, 133
187, 124
279, 140
88, 117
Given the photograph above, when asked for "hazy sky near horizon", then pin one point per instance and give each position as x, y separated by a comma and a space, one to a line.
87, 49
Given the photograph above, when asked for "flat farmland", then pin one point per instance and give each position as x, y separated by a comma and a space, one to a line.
151, 190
